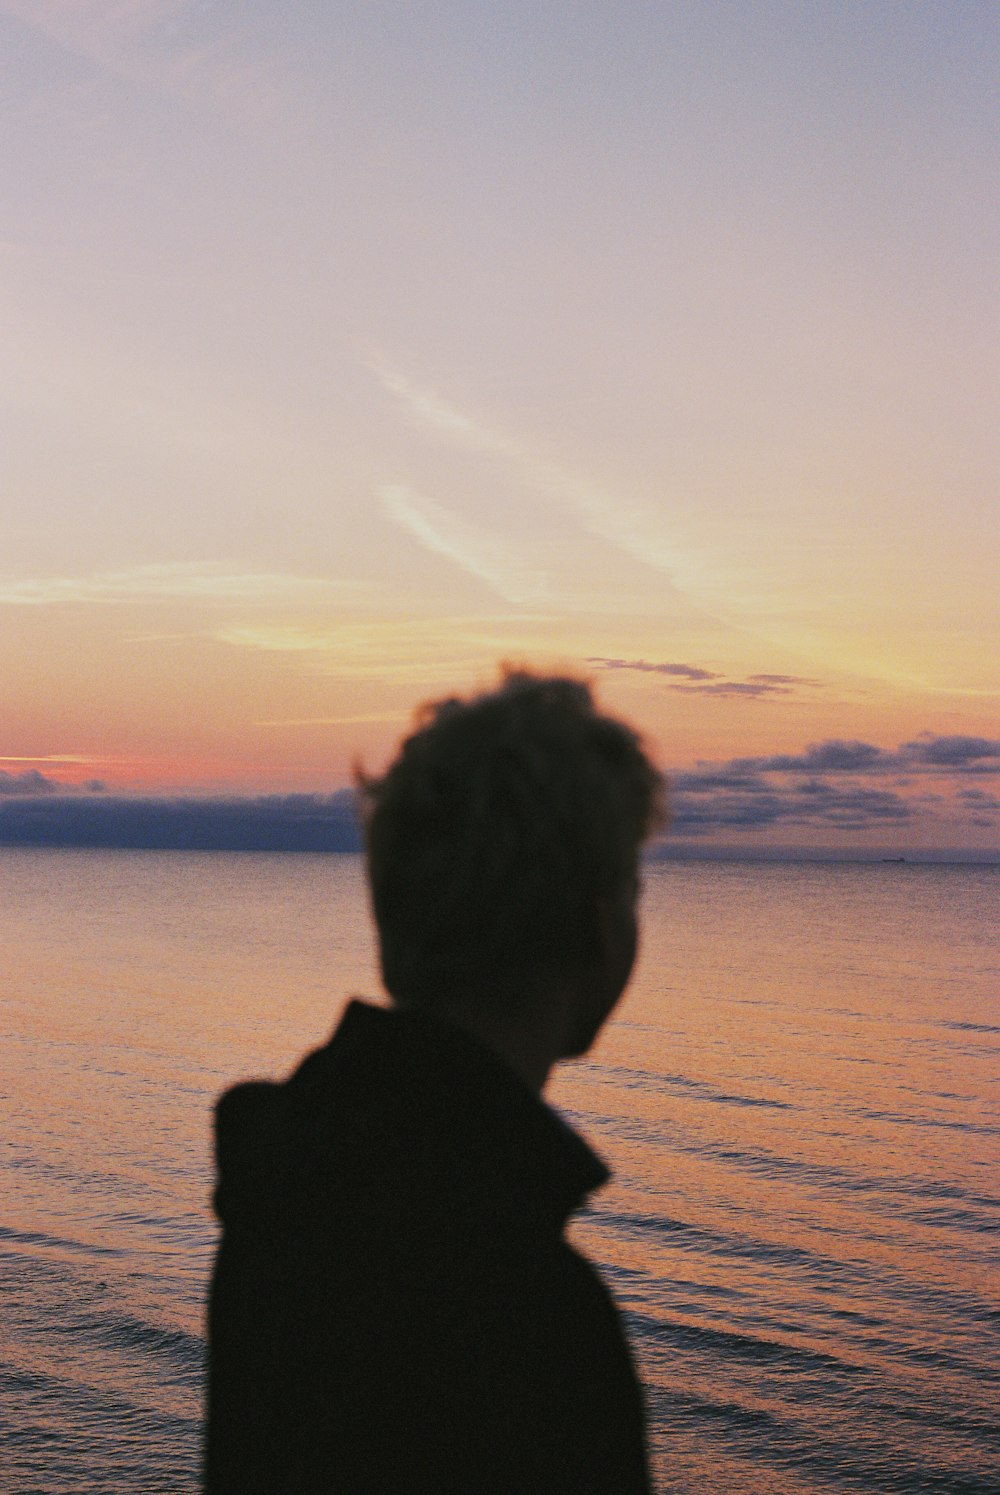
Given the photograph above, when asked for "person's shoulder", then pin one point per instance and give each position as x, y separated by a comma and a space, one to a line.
249, 1097
245, 1115
252, 1108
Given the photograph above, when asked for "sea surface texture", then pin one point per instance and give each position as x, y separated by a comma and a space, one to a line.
800, 1097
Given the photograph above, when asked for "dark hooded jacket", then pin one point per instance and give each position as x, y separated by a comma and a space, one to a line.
394, 1308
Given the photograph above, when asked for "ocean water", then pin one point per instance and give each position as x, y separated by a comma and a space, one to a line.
800, 1097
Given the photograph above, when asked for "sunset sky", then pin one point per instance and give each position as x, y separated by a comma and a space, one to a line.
352, 348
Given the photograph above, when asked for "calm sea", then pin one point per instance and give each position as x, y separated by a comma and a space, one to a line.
800, 1098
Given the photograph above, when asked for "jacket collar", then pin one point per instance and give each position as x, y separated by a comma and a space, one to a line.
467, 1103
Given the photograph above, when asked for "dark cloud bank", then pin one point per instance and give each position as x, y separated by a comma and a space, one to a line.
840, 786
833, 788
286, 822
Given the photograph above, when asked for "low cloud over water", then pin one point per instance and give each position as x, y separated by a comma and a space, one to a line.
841, 785
832, 787
274, 822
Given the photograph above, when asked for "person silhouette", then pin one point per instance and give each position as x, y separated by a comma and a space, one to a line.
395, 1308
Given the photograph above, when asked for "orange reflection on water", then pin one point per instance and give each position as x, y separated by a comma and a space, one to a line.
801, 1210
797, 1097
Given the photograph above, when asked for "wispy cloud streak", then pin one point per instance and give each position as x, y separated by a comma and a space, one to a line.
365, 718
149, 42
475, 549
693, 679
402, 649
631, 526
180, 581
646, 667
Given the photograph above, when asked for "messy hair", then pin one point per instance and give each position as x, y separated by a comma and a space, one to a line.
501, 821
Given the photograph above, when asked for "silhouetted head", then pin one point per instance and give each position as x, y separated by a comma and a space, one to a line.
503, 848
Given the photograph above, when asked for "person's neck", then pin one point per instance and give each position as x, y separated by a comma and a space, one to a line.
530, 1040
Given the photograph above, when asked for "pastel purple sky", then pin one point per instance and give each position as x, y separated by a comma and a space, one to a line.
353, 348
